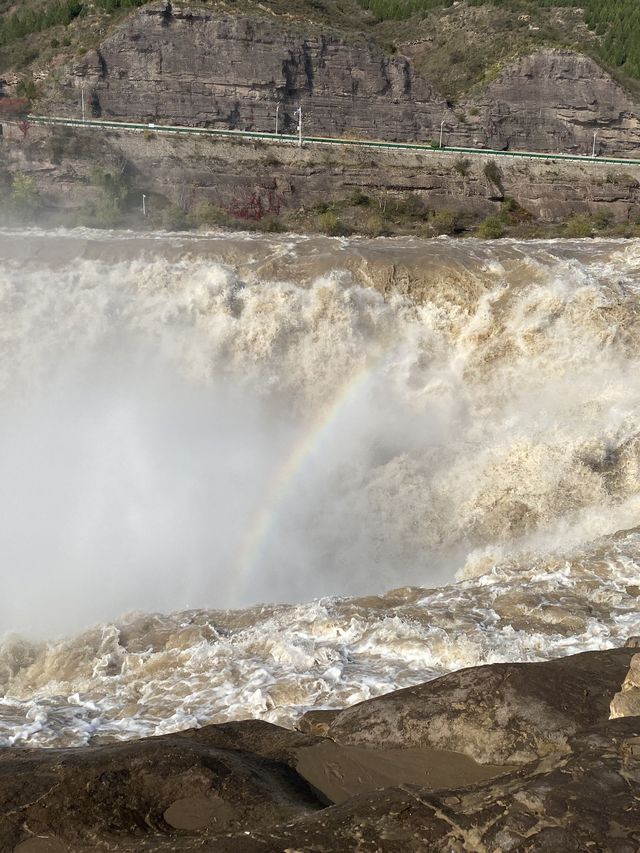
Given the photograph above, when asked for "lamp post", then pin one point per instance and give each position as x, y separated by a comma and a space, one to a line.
277, 111
441, 129
82, 101
298, 113
593, 148
144, 205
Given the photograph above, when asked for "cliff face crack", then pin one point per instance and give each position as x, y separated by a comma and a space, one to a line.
102, 65
289, 74
28, 805
167, 15
471, 837
308, 66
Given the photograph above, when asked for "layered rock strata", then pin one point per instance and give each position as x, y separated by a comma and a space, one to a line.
186, 65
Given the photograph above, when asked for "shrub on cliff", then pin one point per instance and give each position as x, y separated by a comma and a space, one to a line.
376, 226
172, 218
24, 201
205, 214
271, 224
462, 166
27, 89
358, 198
579, 226
329, 224
445, 222
491, 228
513, 213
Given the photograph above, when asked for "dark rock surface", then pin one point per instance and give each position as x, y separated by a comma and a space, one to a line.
235, 788
503, 713
583, 800
213, 779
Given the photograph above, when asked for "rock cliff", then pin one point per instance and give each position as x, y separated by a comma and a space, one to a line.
187, 65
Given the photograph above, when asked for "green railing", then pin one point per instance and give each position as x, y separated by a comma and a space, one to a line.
325, 140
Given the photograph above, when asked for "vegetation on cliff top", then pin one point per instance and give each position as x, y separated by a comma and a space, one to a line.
609, 29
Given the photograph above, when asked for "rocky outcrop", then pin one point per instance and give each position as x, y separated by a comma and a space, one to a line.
218, 779
582, 801
251, 787
188, 65
555, 100
503, 713
626, 703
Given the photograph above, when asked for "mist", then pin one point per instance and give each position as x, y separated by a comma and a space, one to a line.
142, 465
175, 434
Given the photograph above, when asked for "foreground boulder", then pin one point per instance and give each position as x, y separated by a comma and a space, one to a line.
501, 713
571, 781
585, 800
212, 780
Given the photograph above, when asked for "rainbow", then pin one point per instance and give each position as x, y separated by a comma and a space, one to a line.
289, 473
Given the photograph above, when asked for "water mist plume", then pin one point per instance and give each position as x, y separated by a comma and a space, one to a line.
176, 433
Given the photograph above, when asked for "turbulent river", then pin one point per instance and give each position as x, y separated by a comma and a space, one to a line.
245, 476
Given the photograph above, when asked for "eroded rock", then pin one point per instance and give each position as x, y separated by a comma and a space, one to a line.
501, 713
215, 779
626, 703
582, 800
241, 787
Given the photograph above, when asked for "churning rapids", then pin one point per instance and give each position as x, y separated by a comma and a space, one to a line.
244, 476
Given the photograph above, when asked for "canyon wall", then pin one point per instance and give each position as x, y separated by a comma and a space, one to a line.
184, 65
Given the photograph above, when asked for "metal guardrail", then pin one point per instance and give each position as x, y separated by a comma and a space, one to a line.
325, 140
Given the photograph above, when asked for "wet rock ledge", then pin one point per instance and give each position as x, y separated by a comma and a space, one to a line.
507, 757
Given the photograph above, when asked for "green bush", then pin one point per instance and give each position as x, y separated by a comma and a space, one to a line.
491, 228
462, 165
24, 201
101, 212
445, 222
513, 213
206, 214
375, 226
27, 89
579, 226
271, 224
329, 224
358, 198
407, 206
172, 218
